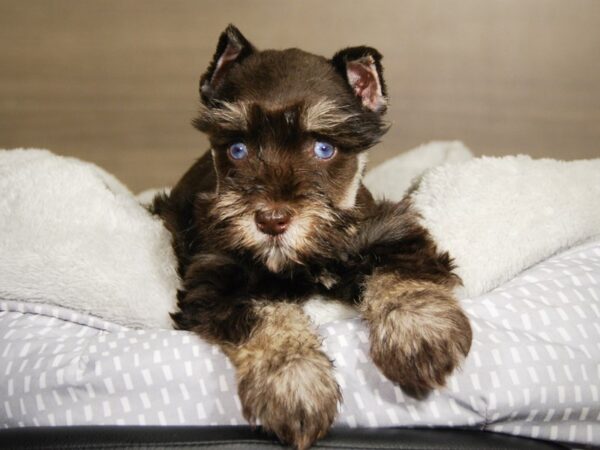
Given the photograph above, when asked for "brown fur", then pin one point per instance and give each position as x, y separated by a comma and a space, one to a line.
243, 288
283, 373
418, 332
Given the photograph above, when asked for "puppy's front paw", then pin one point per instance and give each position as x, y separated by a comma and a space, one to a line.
297, 400
419, 335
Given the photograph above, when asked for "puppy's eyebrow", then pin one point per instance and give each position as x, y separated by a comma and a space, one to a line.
325, 115
224, 116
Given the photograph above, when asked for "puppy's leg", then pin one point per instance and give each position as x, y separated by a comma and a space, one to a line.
418, 332
284, 379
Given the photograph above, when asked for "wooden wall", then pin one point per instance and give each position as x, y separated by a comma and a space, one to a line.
115, 81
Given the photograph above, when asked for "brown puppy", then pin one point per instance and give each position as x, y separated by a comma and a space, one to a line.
275, 212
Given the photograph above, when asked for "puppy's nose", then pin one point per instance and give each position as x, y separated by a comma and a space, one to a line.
272, 221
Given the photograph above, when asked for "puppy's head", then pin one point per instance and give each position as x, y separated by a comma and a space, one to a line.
288, 132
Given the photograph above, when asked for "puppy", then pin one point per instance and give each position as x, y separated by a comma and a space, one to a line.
276, 212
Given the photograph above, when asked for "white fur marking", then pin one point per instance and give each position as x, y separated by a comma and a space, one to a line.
213, 153
227, 115
349, 199
323, 310
325, 115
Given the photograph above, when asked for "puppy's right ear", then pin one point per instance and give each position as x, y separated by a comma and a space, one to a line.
232, 48
361, 68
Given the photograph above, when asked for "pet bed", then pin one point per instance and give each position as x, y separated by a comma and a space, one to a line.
534, 368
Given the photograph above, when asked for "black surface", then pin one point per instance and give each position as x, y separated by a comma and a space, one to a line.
230, 438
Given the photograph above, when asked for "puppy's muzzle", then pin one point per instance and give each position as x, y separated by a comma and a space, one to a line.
273, 221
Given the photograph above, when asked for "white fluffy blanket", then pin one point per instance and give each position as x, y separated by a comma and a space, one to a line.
498, 216
72, 235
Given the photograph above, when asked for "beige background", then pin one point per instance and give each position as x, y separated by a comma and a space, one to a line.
115, 82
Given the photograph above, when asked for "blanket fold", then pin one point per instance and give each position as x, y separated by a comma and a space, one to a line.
499, 216
73, 236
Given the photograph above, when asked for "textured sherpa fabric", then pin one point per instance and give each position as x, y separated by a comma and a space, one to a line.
499, 216
72, 235
392, 178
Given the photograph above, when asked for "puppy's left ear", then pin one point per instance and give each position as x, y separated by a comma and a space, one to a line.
361, 68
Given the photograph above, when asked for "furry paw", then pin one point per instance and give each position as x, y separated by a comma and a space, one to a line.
297, 400
419, 335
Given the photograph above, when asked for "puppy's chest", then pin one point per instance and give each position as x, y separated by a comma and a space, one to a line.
341, 282
301, 284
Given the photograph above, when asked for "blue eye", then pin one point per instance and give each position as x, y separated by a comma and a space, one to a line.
323, 150
238, 151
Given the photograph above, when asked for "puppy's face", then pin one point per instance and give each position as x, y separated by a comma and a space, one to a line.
288, 132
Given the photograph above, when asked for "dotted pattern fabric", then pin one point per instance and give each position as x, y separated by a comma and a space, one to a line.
533, 370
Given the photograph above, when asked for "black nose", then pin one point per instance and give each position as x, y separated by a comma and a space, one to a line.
272, 221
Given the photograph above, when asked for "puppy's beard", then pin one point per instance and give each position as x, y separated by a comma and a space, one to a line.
238, 231
276, 252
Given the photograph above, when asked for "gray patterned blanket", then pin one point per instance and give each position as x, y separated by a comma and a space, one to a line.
534, 368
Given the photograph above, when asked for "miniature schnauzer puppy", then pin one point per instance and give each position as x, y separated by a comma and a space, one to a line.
276, 213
